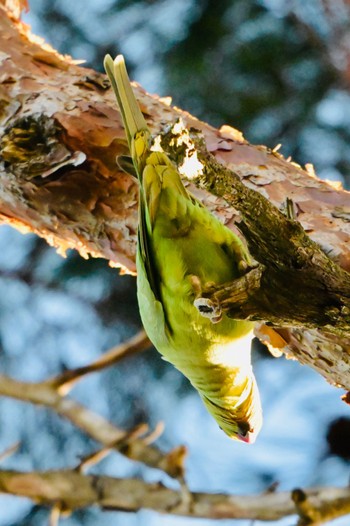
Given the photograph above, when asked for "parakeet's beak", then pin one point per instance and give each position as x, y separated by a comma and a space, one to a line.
248, 438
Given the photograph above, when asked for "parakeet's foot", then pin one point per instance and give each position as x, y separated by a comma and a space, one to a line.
208, 309
205, 306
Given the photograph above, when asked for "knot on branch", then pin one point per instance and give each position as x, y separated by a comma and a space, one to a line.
33, 145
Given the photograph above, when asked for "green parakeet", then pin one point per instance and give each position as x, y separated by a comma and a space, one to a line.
181, 248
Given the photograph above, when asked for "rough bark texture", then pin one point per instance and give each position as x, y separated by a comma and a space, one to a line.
60, 133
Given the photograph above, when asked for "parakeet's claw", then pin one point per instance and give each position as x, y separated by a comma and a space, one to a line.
246, 265
208, 309
196, 285
243, 266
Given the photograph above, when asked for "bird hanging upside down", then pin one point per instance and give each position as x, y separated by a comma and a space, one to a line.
181, 248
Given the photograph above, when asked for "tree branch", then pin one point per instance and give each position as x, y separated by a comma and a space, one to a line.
299, 284
59, 137
52, 394
65, 381
74, 490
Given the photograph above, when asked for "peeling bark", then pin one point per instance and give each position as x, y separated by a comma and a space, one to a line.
60, 133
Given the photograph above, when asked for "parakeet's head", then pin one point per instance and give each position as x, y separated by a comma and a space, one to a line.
243, 419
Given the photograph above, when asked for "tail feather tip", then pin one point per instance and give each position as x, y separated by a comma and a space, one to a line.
119, 59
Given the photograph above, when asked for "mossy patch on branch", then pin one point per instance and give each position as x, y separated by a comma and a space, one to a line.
33, 147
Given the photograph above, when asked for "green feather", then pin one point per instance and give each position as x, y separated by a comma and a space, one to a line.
181, 245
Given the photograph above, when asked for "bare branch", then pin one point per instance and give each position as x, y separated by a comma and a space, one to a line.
95, 425
74, 490
65, 381
95, 457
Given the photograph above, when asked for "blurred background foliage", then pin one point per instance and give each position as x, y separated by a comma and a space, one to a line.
277, 70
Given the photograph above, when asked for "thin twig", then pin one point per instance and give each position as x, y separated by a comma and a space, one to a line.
55, 514
155, 434
95, 457
65, 381
9, 451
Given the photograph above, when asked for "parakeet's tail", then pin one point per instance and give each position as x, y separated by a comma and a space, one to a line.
133, 119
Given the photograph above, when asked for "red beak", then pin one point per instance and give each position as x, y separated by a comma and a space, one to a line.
248, 438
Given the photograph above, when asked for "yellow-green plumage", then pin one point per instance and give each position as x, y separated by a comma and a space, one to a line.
181, 245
